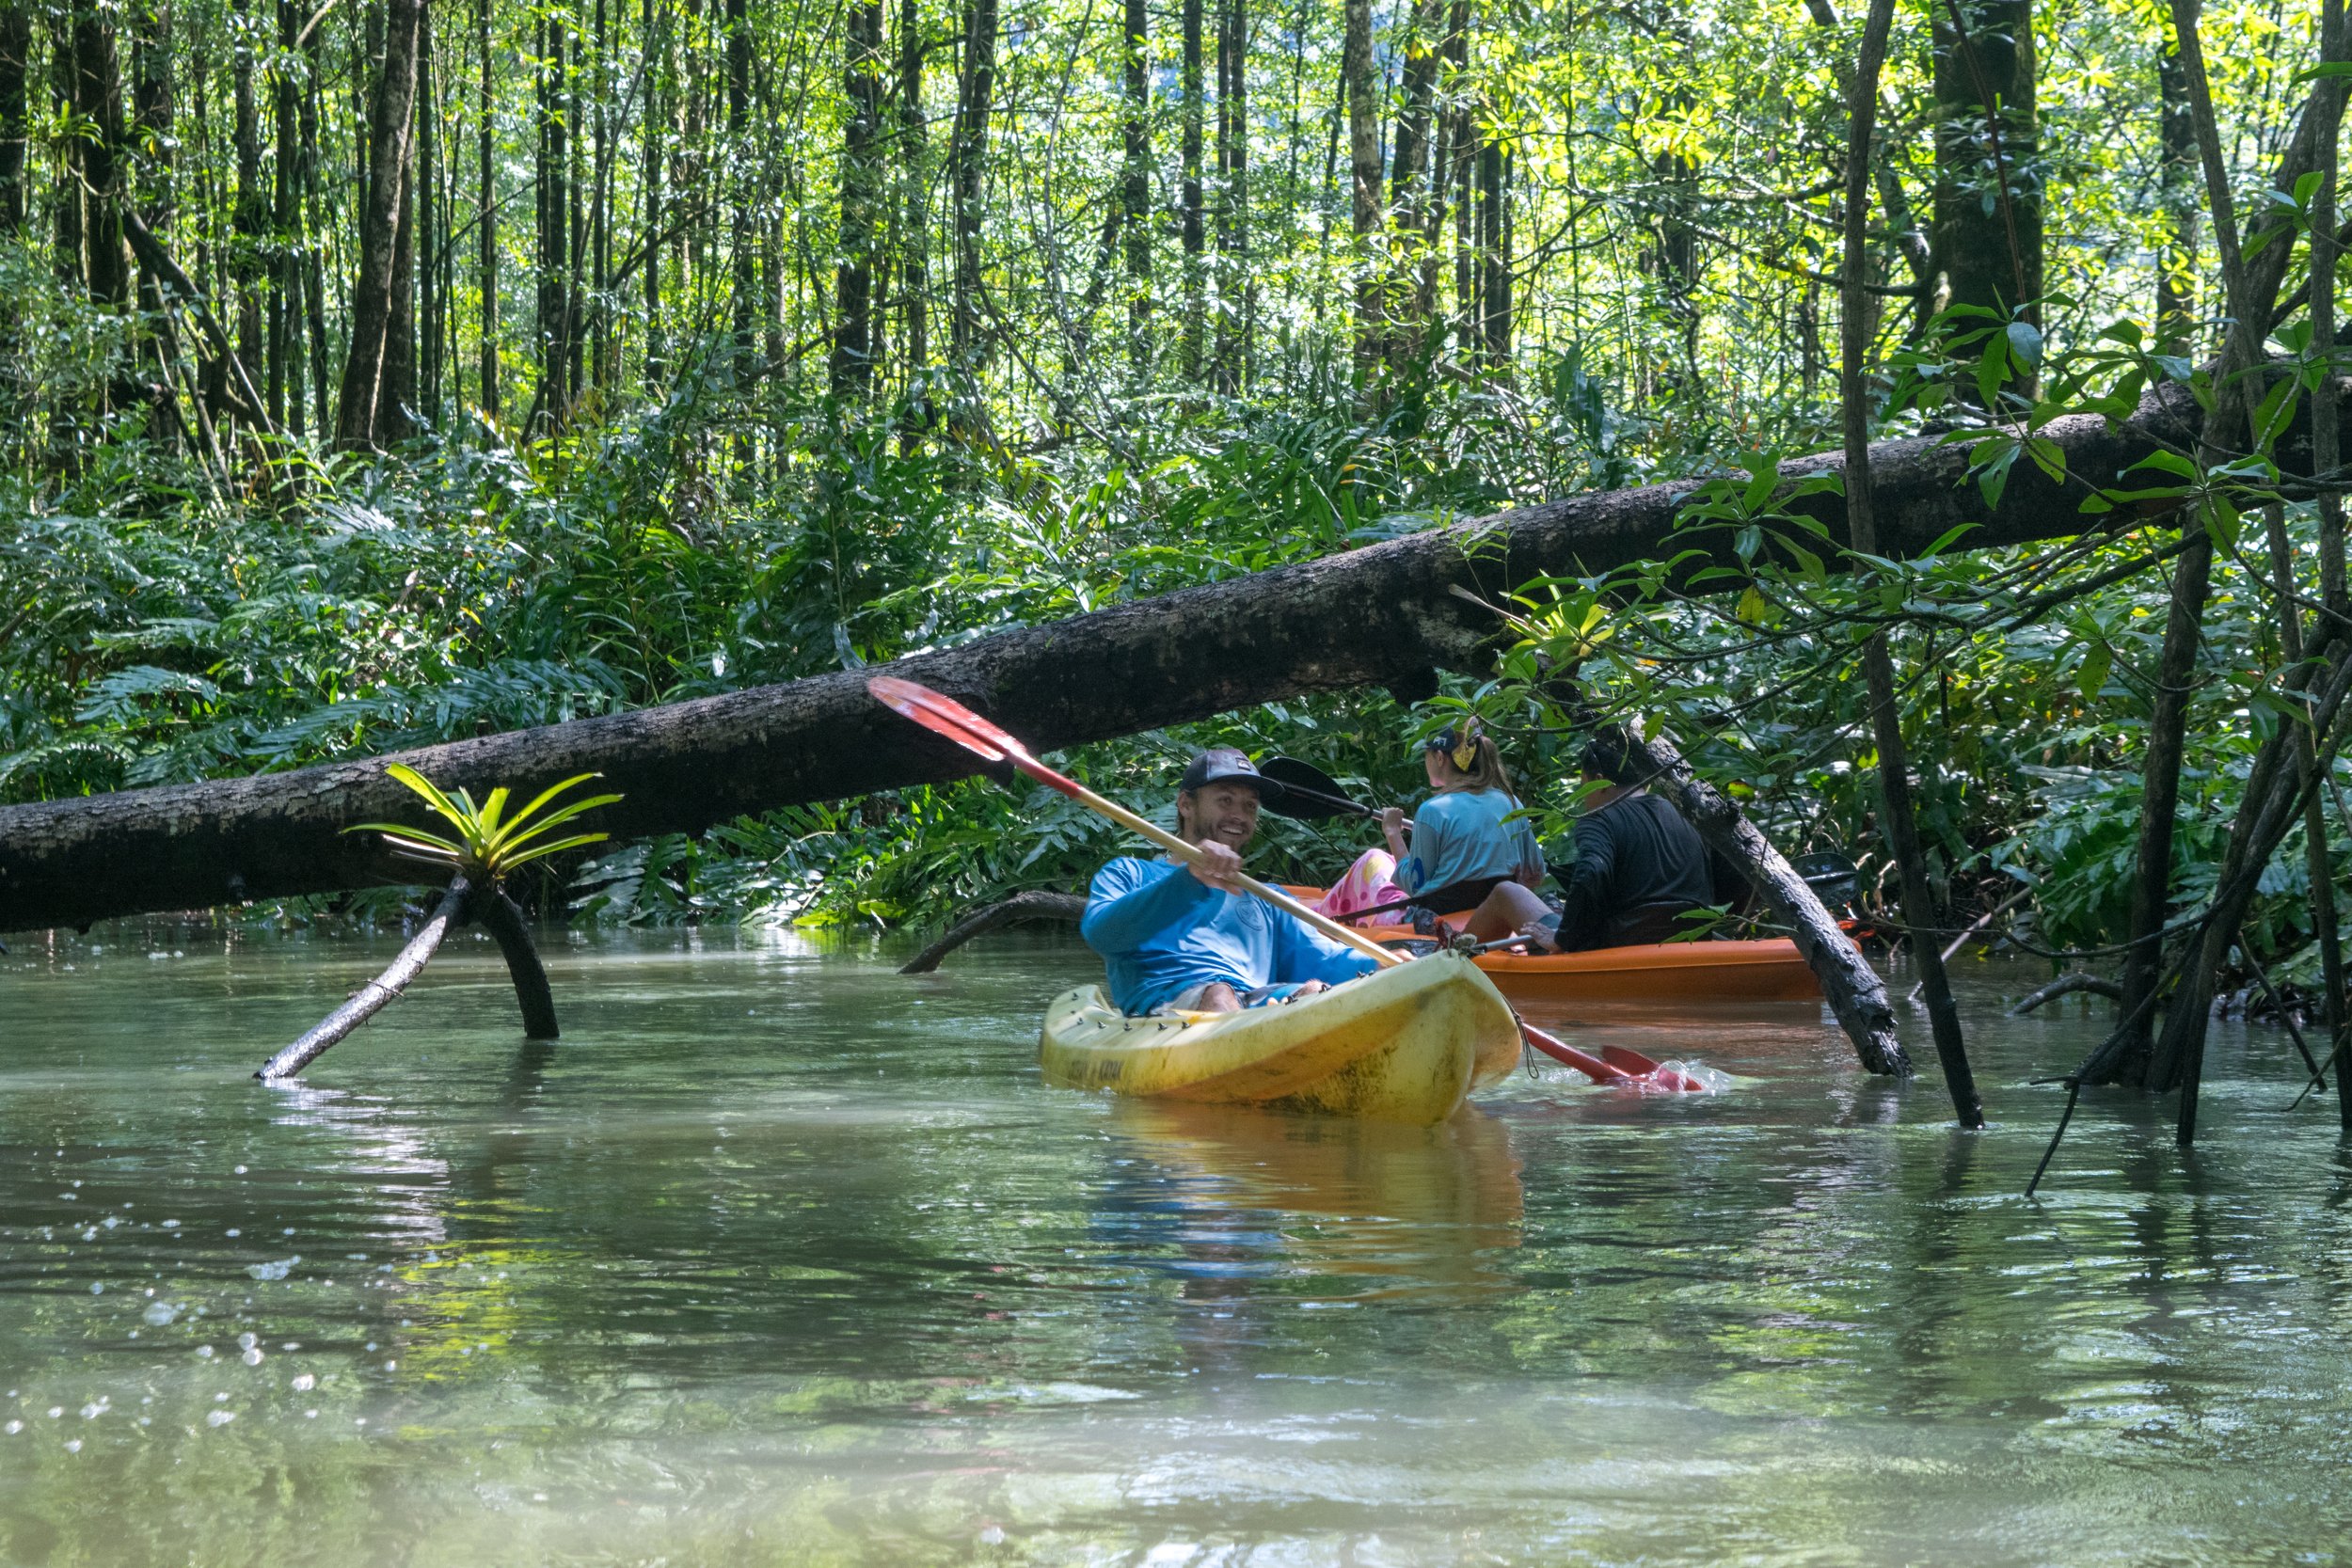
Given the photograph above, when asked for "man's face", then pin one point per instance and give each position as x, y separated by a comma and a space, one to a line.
1223, 810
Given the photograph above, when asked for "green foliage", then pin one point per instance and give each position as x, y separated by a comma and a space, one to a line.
490, 844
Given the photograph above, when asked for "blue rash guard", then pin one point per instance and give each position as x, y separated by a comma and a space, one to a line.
1161, 930
1462, 835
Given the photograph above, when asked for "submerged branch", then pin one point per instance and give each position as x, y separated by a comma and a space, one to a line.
1033, 905
371, 999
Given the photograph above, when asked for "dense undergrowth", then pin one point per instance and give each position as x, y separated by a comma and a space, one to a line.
158, 630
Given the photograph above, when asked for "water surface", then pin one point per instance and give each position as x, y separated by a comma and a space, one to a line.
780, 1258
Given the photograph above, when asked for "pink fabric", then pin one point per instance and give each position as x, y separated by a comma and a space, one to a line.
1368, 882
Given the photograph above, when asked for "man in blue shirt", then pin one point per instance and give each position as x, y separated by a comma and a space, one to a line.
1180, 938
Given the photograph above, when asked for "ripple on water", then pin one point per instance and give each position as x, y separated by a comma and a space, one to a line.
777, 1253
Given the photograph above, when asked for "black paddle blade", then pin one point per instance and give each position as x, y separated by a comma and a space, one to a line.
1307, 794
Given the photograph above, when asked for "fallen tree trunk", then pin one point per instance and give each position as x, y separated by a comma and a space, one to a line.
1033, 905
1853, 990
1183, 655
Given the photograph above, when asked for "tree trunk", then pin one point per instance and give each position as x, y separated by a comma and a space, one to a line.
2325, 449
364, 414
914, 244
151, 151
738, 38
485, 213
1033, 905
861, 181
1192, 225
2176, 261
1987, 146
371, 998
285, 271
396, 390
424, 390
313, 258
1136, 168
249, 219
1898, 822
97, 77
16, 54
966, 154
1494, 255
654, 40
1365, 185
1853, 990
1412, 190
1143, 665
1464, 137
2250, 287
1233, 282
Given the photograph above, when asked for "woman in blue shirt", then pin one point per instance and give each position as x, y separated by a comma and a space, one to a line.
1465, 841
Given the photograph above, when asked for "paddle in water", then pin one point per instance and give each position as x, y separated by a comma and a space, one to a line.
943, 716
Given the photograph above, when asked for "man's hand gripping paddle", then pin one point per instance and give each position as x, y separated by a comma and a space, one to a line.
945, 716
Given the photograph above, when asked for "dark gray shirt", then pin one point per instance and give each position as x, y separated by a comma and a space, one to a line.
1638, 864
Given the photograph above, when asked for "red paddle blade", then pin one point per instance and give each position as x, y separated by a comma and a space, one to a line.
944, 715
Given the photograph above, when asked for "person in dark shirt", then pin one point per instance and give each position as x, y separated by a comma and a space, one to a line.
1639, 868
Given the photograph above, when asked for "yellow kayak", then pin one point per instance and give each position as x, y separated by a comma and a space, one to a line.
1405, 1044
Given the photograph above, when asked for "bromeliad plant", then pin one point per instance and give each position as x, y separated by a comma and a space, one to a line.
489, 844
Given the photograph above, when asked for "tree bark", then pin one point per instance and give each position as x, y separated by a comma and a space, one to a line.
16, 54
966, 153
360, 417
378, 993
1494, 254
1136, 168
2176, 261
1411, 186
2334, 45
498, 915
1033, 905
738, 38
914, 142
2249, 289
285, 288
96, 155
1854, 991
1365, 185
250, 217
1192, 227
1987, 196
1898, 820
1154, 662
1236, 287
485, 213
860, 170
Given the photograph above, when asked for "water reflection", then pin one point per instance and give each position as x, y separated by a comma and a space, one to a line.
778, 1255
1364, 1209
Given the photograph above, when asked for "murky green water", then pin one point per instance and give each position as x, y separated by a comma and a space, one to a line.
780, 1258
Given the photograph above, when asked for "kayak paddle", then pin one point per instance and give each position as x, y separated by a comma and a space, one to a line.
1310, 794
943, 716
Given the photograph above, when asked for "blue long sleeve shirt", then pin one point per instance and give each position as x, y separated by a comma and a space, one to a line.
1161, 930
1462, 834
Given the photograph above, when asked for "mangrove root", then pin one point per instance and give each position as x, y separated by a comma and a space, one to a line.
501, 917
498, 915
1852, 988
1021, 906
369, 999
2067, 985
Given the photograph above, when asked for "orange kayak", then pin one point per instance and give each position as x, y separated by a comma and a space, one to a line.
1767, 970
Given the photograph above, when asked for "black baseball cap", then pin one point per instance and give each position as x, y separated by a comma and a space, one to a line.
1222, 765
